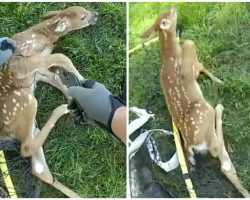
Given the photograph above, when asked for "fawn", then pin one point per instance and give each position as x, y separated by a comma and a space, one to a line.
199, 123
31, 63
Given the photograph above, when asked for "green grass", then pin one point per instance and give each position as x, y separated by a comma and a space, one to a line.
221, 34
85, 158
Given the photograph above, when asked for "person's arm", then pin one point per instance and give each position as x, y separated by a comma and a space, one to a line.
7, 48
108, 111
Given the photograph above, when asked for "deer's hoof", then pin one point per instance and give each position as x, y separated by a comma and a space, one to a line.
219, 107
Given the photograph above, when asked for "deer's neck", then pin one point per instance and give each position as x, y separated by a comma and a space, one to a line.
169, 47
47, 29
171, 83
170, 55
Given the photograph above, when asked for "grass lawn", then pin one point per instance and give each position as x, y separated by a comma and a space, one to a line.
85, 158
221, 34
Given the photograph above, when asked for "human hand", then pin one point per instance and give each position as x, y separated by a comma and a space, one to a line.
96, 101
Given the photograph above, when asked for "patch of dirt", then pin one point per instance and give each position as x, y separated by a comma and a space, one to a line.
149, 180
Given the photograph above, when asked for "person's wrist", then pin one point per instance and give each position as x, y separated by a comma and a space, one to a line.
118, 124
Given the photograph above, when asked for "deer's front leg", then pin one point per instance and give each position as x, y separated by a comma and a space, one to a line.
191, 62
63, 61
199, 68
27, 66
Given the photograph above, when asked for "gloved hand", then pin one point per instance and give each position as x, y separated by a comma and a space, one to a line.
96, 101
7, 48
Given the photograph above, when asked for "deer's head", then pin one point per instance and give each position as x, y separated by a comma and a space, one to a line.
72, 18
165, 22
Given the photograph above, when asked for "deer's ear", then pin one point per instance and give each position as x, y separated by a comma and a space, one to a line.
61, 24
148, 32
51, 14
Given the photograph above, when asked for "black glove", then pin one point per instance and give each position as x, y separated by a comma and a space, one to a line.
96, 101
7, 48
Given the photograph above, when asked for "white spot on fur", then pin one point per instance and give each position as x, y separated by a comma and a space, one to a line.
30, 97
33, 35
17, 93
196, 132
38, 168
226, 166
197, 105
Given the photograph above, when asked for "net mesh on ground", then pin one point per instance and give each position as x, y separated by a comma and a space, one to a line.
19, 169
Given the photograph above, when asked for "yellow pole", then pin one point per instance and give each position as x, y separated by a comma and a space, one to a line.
182, 162
140, 46
6, 176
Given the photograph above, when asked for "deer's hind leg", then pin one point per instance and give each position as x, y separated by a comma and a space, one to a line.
227, 166
22, 107
32, 139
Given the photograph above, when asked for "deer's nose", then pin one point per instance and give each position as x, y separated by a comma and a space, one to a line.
174, 8
95, 14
